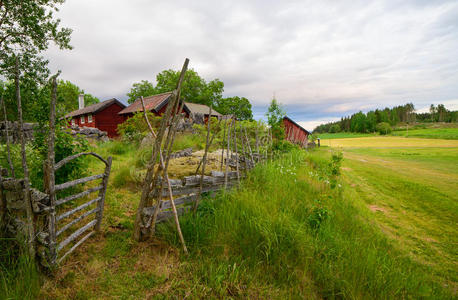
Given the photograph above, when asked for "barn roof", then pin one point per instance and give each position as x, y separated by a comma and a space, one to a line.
94, 108
299, 126
201, 109
154, 102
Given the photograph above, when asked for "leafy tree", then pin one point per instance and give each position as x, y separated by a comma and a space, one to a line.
371, 121
334, 128
143, 88
68, 92
26, 28
383, 128
238, 106
358, 122
275, 114
194, 89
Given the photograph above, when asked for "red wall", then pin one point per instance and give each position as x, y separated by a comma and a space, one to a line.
109, 119
294, 134
86, 123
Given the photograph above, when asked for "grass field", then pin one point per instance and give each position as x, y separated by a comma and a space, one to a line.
430, 133
343, 135
388, 142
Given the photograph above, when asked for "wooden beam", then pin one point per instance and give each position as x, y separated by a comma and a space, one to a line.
72, 183
72, 157
76, 209
79, 195
102, 194
76, 246
76, 220
76, 234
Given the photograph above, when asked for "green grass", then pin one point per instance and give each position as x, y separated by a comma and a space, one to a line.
430, 133
343, 135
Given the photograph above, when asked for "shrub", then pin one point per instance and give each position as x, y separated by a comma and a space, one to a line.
135, 128
334, 128
383, 128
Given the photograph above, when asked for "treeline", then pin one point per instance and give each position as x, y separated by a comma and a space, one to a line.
377, 120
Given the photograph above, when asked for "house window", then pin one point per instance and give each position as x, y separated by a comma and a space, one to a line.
89, 118
73, 122
82, 119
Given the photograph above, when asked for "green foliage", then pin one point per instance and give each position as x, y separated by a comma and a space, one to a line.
383, 128
135, 128
143, 88
275, 114
26, 29
34, 162
238, 106
67, 94
194, 89
334, 128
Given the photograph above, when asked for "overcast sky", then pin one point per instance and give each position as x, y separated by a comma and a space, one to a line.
322, 59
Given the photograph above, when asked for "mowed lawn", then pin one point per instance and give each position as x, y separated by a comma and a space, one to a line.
388, 142
411, 188
430, 133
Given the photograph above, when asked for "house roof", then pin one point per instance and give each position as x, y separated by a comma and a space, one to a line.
94, 108
299, 126
201, 109
154, 102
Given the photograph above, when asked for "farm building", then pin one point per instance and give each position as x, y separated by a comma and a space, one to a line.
195, 108
157, 104
294, 132
103, 115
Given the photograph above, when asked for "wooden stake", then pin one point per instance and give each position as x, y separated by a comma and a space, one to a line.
227, 153
257, 144
236, 154
148, 182
169, 188
204, 161
222, 146
10, 163
27, 199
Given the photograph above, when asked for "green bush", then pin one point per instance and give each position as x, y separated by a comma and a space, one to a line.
135, 128
334, 128
383, 128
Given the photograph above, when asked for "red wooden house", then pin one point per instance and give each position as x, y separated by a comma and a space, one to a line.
103, 115
295, 133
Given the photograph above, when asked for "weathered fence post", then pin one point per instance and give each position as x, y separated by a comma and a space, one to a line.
102, 193
28, 202
227, 153
222, 145
236, 154
7, 135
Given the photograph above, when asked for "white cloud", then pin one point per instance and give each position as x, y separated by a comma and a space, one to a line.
331, 57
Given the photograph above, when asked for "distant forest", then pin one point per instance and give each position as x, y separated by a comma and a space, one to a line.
368, 122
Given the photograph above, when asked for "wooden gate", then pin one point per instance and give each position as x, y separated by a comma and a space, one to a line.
57, 224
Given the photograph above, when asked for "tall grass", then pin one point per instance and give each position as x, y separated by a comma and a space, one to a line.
19, 277
287, 233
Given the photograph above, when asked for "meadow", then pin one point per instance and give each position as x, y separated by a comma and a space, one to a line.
379, 223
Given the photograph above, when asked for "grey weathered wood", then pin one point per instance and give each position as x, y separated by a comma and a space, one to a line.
164, 215
75, 234
236, 154
76, 246
29, 210
72, 183
102, 194
79, 195
49, 178
227, 153
8, 150
76, 220
76, 209
257, 145
249, 146
72, 157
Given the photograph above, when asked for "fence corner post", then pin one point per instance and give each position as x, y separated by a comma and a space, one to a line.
102, 193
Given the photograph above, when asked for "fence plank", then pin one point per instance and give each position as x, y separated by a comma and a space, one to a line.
102, 192
79, 195
75, 235
77, 181
164, 215
69, 158
77, 209
76, 220
76, 245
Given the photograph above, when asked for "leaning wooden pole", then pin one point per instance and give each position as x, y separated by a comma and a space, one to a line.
148, 182
28, 202
222, 146
227, 153
169, 187
257, 145
8, 157
236, 154
204, 162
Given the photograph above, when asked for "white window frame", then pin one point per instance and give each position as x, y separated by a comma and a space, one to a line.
73, 122
82, 119
89, 118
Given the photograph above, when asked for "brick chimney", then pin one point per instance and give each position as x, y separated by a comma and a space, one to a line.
80, 101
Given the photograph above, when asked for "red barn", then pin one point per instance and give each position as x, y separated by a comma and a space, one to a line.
103, 115
157, 104
295, 133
